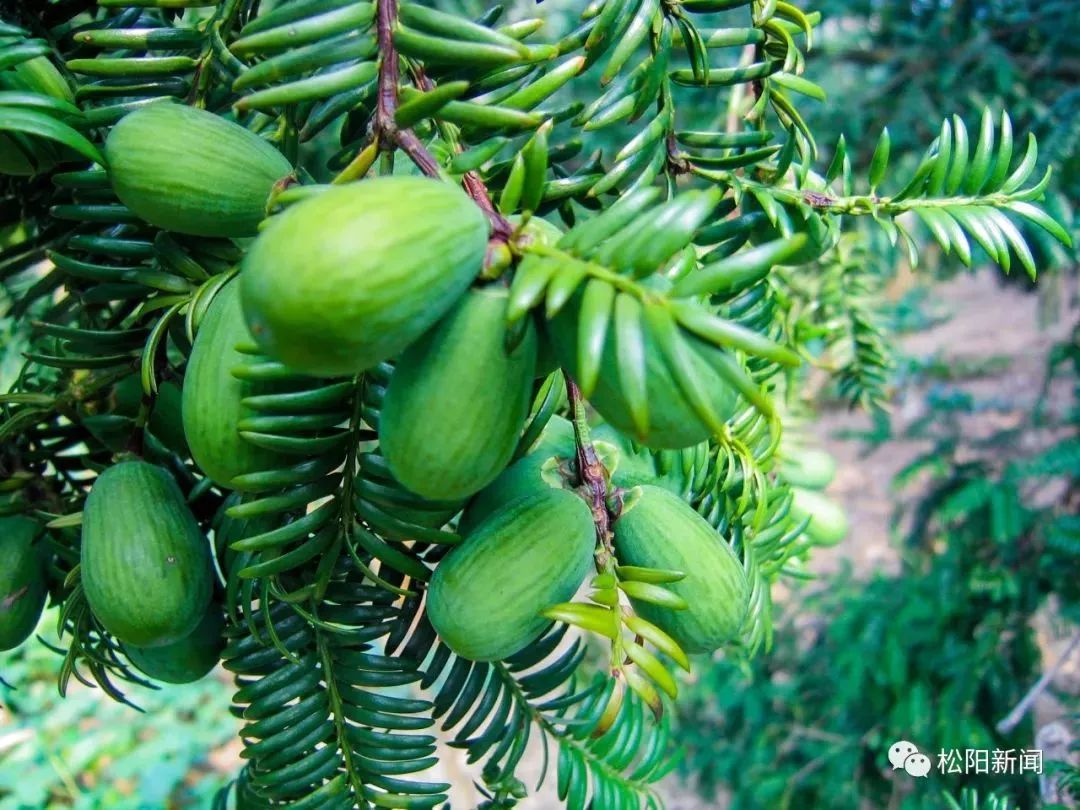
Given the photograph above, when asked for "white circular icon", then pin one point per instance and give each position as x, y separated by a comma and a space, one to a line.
900, 751
917, 764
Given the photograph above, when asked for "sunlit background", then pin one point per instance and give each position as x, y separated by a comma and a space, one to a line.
955, 591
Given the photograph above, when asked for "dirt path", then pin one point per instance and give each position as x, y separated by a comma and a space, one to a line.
994, 346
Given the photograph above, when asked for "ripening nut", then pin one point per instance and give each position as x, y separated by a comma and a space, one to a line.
486, 595
464, 365
145, 563
22, 580
660, 530
346, 279
193, 172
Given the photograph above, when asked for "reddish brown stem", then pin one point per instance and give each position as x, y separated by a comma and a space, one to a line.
417, 152
501, 229
389, 71
593, 476
389, 132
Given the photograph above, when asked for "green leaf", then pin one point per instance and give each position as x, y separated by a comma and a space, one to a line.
797, 84
294, 31
1004, 156
652, 666
739, 269
837, 162
446, 51
724, 333
935, 183
1042, 219
1024, 168
21, 98
563, 285
512, 188
535, 155
979, 170
148, 365
658, 638
594, 618
653, 594
42, 125
960, 156
451, 26
425, 105
658, 576
676, 351
527, 289
630, 356
319, 86
595, 315
1015, 239
880, 160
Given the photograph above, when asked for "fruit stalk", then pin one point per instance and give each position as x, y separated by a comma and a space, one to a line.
389, 79
592, 475
406, 139
389, 72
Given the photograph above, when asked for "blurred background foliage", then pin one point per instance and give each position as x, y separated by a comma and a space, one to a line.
939, 649
87, 752
936, 650
907, 65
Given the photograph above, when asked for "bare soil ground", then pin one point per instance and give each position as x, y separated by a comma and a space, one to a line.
994, 344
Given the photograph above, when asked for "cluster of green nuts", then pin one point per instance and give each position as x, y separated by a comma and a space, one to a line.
348, 278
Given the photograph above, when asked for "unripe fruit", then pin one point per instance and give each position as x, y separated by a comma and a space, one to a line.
22, 580
188, 659
352, 276
811, 468
660, 530
486, 596
145, 562
190, 171
828, 523
523, 477
457, 400
673, 422
213, 397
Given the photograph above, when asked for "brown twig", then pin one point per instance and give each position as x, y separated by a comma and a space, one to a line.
591, 472
1013, 718
388, 132
417, 152
389, 70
